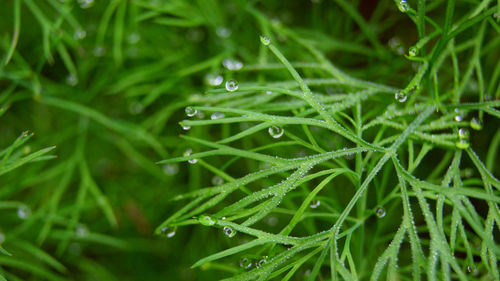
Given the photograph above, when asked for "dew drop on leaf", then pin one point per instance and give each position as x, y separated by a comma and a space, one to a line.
216, 115
231, 85
213, 79
265, 40
413, 51
261, 262
81, 230
79, 34
245, 263
403, 6
85, 4
476, 124
217, 180
223, 32
275, 131
232, 64
206, 220
170, 169
71, 79
462, 144
169, 232
23, 212
229, 232
190, 112
400, 96
380, 212
315, 204
463, 133
186, 127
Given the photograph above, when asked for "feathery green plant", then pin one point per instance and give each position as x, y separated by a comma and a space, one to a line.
333, 177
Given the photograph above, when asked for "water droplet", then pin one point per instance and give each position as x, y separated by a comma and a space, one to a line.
261, 262
71, 79
380, 212
268, 92
246, 263
476, 124
232, 64
217, 180
2, 237
186, 127
413, 51
217, 115
98, 51
223, 32
396, 45
187, 153
169, 232
400, 96
275, 131
403, 6
79, 34
135, 107
265, 40
459, 115
85, 4
213, 79
471, 269
462, 144
23, 212
231, 85
463, 133
190, 112
315, 204
206, 220
81, 230
133, 38
229, 232
170, 169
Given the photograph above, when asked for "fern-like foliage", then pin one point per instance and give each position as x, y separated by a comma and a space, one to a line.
319, 174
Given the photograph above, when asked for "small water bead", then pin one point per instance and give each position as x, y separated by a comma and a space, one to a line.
268, 92
217, 180
223, 32
85, 4
187, 153
135, 107
23, 212
190, 112
232, 64
217, 115
186, 127
133, 38
170, 169
413, 51
380, 212
401, 96
81, 230
463, 133
275, 131
471, 269
476, 124
315, 204
396, 45
229, 232
261, 262
213, 79
169, 232
246, 263
206, 220
403, 6
231, 85
71, 79
79, 34
265, 40
462, 144
459, 115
